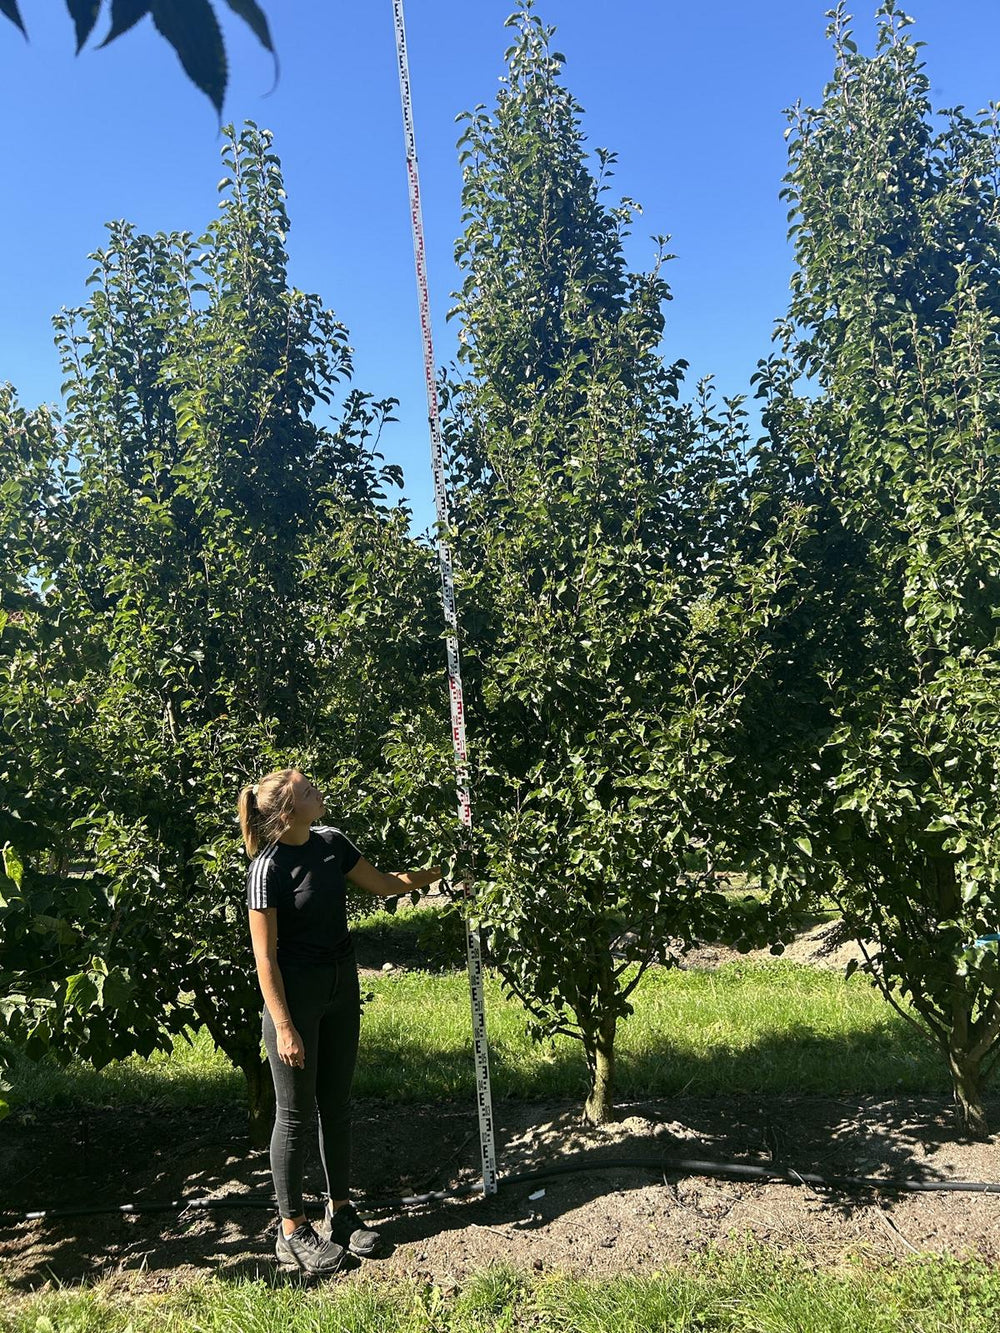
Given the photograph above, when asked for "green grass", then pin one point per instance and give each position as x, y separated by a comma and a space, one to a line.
753, 1291
193, 1074
746, 1027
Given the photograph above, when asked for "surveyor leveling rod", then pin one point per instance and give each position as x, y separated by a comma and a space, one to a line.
475, 962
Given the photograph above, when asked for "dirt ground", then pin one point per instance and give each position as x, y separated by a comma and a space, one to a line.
602, 1219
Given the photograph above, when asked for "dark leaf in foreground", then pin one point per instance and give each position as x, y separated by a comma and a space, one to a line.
255, 17
84, 15
10, 9
191, 28
125, 14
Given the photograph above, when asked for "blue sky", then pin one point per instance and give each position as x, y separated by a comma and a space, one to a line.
690, 96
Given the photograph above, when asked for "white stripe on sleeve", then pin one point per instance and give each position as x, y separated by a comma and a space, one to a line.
258, 878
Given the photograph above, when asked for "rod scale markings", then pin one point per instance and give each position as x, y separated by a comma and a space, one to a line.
484, 1099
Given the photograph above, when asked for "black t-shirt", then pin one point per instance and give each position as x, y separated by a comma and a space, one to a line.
306, 886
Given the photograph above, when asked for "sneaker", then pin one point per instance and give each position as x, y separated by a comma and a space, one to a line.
308, 1251
347, 1229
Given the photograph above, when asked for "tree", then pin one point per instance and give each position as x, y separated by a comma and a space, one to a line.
37, 940
886, 404
190, 26
611, 622
241, 596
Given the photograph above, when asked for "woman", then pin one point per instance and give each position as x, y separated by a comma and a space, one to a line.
296, 896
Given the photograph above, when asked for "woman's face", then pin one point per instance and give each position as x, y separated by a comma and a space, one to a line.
309, 803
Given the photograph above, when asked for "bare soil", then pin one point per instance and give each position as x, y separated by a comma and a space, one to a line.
605, 1218
824, 944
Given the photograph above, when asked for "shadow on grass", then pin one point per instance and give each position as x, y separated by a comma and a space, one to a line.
743, 1027
402, 1062
428, 937
195, 1073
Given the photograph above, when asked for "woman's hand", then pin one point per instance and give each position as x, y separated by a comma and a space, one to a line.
364, 876
290, 1048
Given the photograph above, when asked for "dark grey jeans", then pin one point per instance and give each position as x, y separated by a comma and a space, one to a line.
325, 1005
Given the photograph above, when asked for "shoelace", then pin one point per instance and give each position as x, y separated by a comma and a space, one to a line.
307, 1236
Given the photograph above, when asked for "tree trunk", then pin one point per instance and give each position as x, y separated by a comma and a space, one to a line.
599, 1048
260, 1101
239, 1046
964, 1063
966, 1066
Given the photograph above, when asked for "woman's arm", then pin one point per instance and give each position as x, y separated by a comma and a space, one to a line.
264, 935
382, 885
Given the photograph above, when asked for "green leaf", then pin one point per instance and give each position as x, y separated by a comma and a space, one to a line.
13, 866
81, 991
117, 990
191, 28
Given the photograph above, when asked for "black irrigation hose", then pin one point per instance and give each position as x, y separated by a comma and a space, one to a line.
688, 1166
740, 1170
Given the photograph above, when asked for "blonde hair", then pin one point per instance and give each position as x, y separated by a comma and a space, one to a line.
265, 808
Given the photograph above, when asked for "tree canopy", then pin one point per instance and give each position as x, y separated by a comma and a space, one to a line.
886, 404
609, 615
223, 588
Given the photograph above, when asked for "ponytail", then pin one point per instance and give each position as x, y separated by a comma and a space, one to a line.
265, 808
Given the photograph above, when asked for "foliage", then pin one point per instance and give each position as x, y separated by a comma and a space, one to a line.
886, 409
233, 592
611, 620
190, 26
33, 813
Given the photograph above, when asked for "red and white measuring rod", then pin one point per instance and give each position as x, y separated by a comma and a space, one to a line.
484, 1095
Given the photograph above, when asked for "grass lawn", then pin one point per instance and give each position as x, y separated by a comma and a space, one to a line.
769, 1027
756, 1291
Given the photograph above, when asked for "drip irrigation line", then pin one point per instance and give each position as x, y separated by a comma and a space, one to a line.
748, 1171
659, 1165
